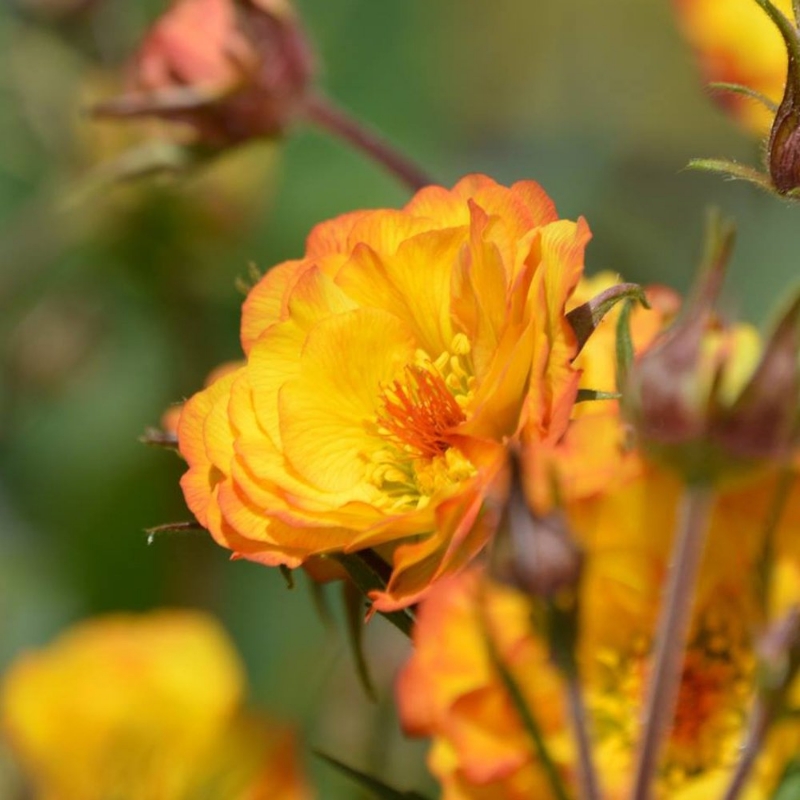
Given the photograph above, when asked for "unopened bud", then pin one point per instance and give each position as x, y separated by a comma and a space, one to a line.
695, 399
231, 70
783, 148
535, 554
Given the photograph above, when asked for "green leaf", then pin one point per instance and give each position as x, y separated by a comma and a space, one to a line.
526, 715
369, 571
354, 618
378, 788
588, 395
789, 786
585, 318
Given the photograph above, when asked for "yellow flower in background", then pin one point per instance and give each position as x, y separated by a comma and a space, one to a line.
737, 43
386, 370
139, 707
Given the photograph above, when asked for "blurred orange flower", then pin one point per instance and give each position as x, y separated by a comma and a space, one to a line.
143, 707
737, 43
385, 372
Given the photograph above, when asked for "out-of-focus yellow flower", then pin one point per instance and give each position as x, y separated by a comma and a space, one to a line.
737, 43
143, 707
386, 370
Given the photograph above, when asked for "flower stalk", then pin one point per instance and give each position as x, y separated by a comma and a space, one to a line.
331, 118
672, 634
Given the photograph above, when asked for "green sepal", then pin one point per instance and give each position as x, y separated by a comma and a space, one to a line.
524, 712
378, 788
155, 437
624, 346
190, 526
368, 572
354, 618
288, 576
746, 91
585, 318
733, 171
588, 395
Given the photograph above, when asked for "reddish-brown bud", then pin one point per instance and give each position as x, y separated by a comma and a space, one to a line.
536, 554
783, 147
704, 401
231, 70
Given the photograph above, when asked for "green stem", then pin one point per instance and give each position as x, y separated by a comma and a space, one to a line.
672, 634
323, 113
789, 34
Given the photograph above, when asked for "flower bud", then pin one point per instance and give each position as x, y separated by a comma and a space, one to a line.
535, 554
783, 148
701, 400
232, 70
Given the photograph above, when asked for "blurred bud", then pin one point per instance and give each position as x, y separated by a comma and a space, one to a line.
763, 419
535, 554
232, 70
695, 399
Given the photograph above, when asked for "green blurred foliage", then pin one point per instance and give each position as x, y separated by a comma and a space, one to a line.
113, 308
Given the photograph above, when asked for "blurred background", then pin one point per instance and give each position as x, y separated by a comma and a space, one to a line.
113, 307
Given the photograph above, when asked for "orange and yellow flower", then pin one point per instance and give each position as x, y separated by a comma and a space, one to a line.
386, 371
143, 707
737, 43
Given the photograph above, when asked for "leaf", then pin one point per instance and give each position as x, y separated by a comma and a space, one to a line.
354, 618
369, 571
525, 713
585, 318
789, 786
378, 788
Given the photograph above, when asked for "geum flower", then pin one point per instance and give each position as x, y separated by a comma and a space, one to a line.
386, 371
144, 706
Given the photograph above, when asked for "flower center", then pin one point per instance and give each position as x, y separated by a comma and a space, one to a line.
418, 414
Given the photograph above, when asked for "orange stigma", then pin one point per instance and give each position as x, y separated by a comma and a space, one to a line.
421, 413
